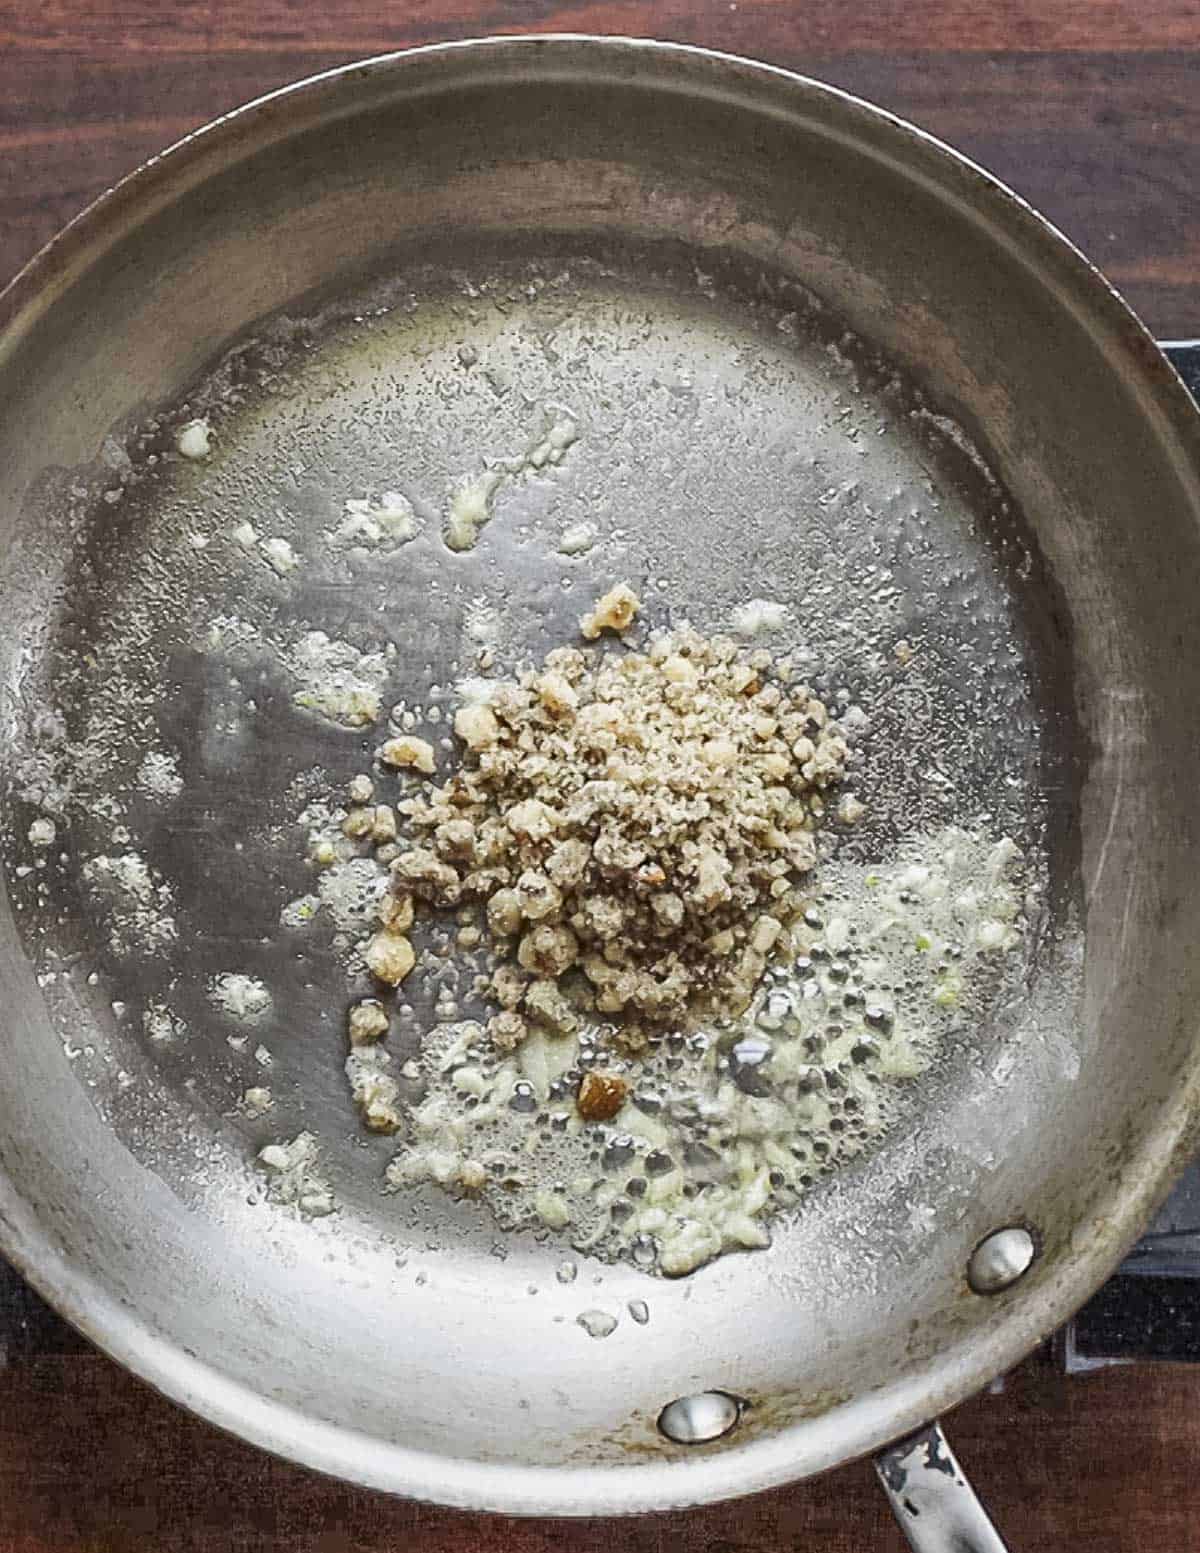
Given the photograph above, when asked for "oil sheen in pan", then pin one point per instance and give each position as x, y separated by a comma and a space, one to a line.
728, 441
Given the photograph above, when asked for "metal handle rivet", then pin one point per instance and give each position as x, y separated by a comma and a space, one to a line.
1000, 1259
697, 1420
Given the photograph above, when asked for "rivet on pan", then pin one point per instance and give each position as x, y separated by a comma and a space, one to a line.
998, 1261
696, 1420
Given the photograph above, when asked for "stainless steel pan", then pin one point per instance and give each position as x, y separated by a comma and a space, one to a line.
811, 352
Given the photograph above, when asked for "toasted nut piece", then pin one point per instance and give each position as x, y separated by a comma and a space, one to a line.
367, 1022
476, 726
549, 949
389, 956
383, 824
455, 838
504, 912
358, 823
601, 1095
396, 912
408, 751
556, 693
546, 1006
508, 1030
614, 612
508, 986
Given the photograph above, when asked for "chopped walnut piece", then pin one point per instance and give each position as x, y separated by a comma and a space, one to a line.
504, 913
538, 897
383, 824
508, 1030
408, 751
396, 912
549, 949
614, 612
476, 726
390, 957
367, 1021
455, 838
546, 1006
361, 789
601, 1095
556, 693
508, 986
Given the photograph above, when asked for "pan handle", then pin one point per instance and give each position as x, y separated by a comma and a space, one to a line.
931, 1498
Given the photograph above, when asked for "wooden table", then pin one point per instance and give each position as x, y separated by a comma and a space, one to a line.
1090, 108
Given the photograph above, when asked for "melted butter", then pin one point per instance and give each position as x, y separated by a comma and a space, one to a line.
729, 1126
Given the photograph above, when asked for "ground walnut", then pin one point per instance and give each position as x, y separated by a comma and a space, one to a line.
637, 826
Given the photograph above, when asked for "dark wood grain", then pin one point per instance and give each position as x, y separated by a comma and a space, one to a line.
1090, 108
90, 1462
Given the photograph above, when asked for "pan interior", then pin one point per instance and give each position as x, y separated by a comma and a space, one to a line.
733, 442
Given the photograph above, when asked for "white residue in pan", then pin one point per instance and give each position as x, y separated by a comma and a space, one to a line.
300, 912
293, 1179
350, 892
471, 503
193, 439
135, 901
279, 555
42, 833
336, 680
470, 509
759, 617
158, 775
376, 525
241, 997
577, 539
161, 1023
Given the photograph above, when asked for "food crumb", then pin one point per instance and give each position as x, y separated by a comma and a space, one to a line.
279, 556
601, 1095
161, 1024
409, 751
597, 1323
367, 1021
158, 775
577, 539
470, 510
239, 996
193, 439
293, 1180
42, 833
759, 617
614, 612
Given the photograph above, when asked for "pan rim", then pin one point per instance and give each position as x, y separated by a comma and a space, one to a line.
871, 1420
